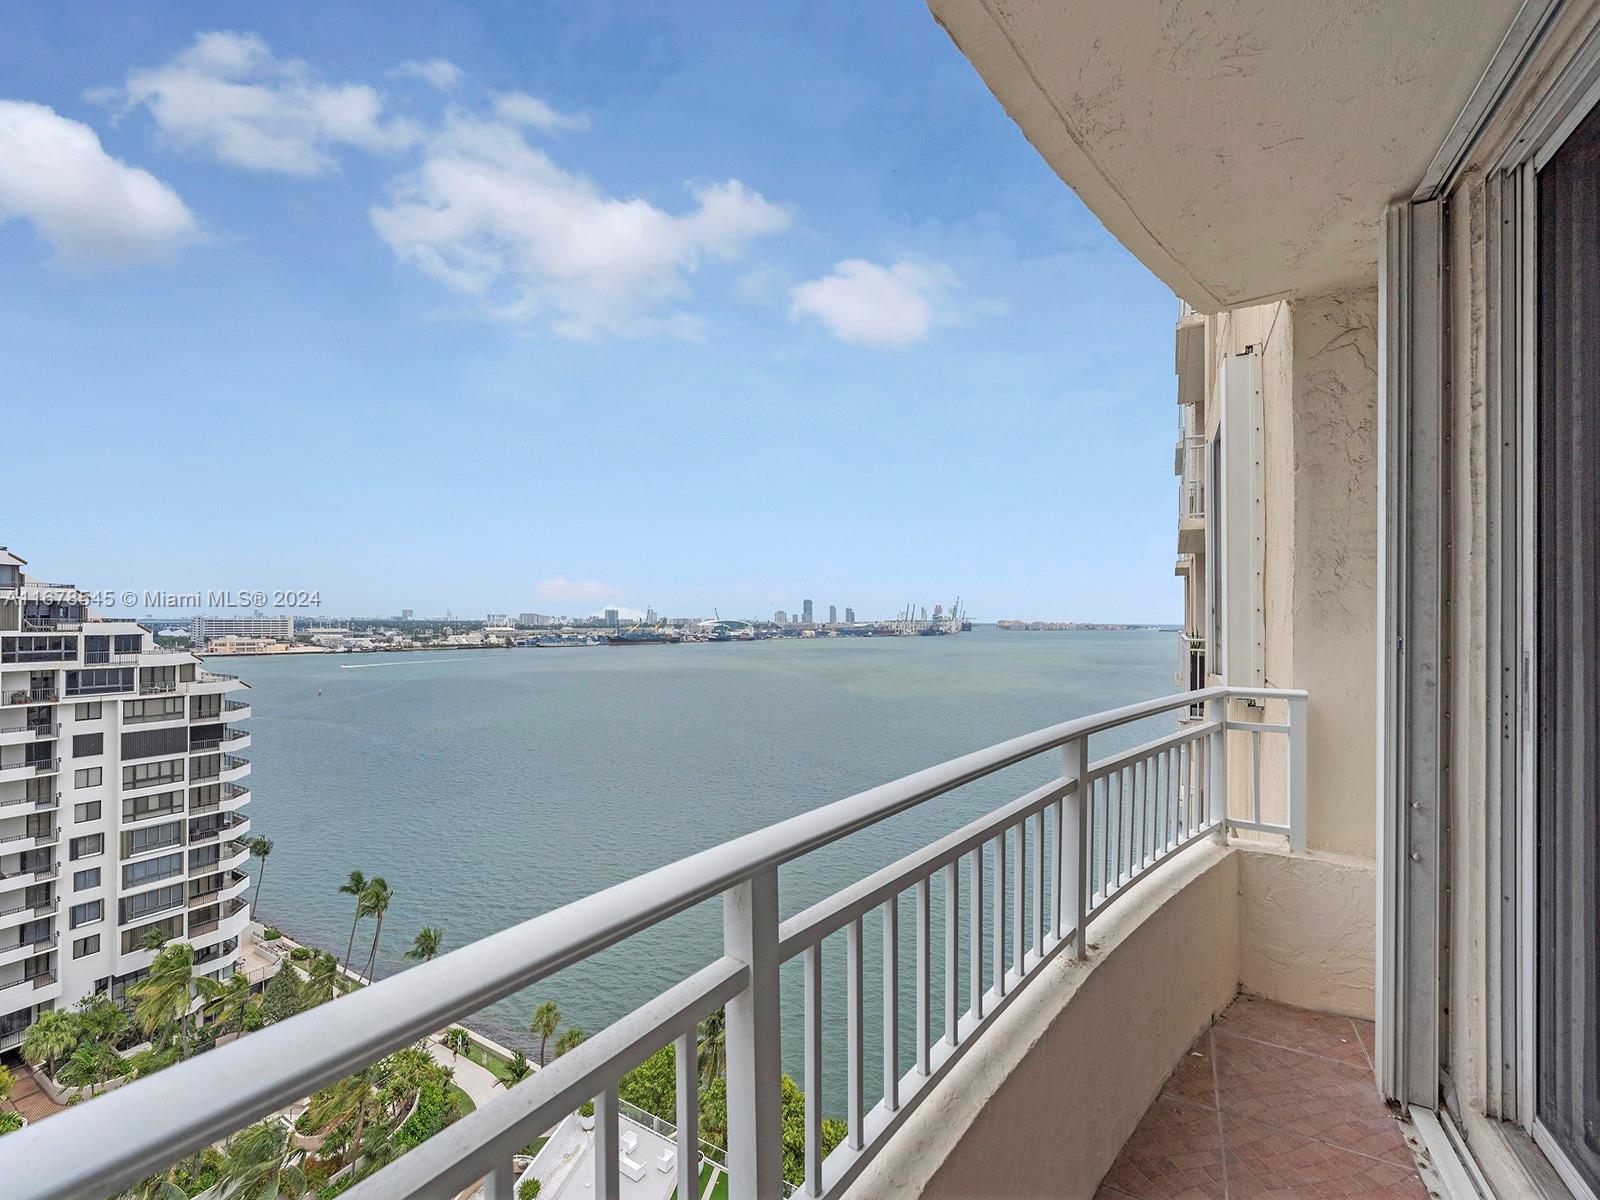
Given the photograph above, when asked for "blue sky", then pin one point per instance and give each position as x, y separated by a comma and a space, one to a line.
546, 307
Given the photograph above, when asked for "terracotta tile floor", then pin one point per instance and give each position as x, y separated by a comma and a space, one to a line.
28, 1098
1270, 1102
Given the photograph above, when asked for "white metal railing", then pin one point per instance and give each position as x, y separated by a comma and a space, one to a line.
1192, 488
1061, 853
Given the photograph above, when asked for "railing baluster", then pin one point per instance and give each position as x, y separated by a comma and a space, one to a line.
891, 1003
1057, 870
1073, 850
1136, 774
1297, 773
500, 1183
1217, 769
1019, 892
1038, 884
608, 1167
952, 952
925, 976
1255, 775
755, 1061
975, 940
1000, 914
690, 1174
854, 1020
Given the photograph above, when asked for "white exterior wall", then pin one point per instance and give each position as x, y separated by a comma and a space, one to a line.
72, 975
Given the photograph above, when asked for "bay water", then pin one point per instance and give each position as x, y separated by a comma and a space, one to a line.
488, 787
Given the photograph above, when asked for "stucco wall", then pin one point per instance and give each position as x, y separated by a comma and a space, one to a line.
1335, 561
1307, 929
1064, 1075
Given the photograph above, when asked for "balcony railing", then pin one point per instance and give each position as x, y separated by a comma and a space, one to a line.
33, 696
1064, 851
1192, 488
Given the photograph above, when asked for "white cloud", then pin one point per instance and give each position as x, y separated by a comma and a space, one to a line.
228, 96
519, 108
494, 218
558, 589
868, 305
440, 73
91, 207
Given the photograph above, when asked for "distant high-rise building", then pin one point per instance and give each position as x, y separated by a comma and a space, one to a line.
535, 619
805, 613
849, 616
405, 614
833, 614
780, 617
649, 616
495, 619
612, 617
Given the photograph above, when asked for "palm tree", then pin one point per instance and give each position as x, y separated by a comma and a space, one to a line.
228, 1001
712, 1050
349, 1101
166, 994
571, 1038
543, 1024
354, 886
376, 898
517, 1069
259, 847
9, 1081
91, 1064
156, 1187
322, 980
52, 1036
427, 944
154, 939
456, 1040
255, 1166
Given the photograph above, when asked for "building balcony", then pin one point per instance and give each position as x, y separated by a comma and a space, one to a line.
26, 839
22, 734
16, 951
233, 739
10, 772
28, 697
234, 768
18, 994
233, 884
14, 912
1047, 967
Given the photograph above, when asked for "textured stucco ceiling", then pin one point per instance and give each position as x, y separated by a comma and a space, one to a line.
1242, 149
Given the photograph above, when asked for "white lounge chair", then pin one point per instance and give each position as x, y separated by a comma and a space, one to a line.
633, 1170
629, 1141
667, 1160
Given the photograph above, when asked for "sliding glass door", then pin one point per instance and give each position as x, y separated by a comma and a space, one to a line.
1568, 601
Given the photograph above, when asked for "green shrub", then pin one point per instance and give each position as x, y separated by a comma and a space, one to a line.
587, 1110
282, 998
10, 1121
433, 1108
270, 934
300, 953
528, 1189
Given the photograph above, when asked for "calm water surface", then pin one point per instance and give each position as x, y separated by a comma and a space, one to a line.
490, 786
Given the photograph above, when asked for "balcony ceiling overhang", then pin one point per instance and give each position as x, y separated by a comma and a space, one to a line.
1242, 149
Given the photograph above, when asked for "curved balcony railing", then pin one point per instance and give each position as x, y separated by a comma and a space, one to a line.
1064, 852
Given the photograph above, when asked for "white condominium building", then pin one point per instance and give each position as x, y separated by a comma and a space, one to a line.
120, 797
204, 629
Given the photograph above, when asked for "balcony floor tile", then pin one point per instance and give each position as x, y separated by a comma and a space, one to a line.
1271, 1102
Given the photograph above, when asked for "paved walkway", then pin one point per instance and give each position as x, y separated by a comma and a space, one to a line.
477, 1082
29, 1099
1271, 1101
